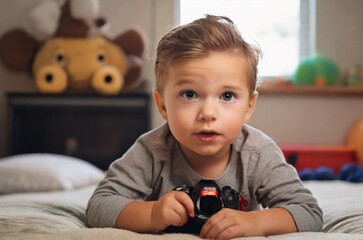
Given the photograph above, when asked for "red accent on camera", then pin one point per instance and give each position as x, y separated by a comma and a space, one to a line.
243, 203
211, 192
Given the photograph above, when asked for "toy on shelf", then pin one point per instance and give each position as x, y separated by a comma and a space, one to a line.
317, 71
66, 48
353, 76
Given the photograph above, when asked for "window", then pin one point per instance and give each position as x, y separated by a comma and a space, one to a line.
277, 26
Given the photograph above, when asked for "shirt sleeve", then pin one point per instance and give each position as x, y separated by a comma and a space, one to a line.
128, 179
277, 184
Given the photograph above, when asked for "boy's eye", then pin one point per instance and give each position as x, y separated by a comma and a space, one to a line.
227, 96
189, 94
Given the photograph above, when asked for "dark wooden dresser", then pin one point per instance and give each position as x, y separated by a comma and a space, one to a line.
95, 128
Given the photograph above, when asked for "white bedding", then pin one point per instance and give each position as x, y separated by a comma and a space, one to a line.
52, 205
61, 214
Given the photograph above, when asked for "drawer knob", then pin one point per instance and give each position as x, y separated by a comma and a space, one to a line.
71, 145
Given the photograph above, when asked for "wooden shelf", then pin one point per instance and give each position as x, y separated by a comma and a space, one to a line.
311, 90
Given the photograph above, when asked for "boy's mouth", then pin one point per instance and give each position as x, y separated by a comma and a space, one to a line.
208, 133
207, 136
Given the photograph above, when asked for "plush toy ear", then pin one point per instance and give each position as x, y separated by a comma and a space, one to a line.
17, 50
132, 43
132, 76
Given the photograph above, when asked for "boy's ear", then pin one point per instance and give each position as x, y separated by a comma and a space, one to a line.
251, 106
159, 100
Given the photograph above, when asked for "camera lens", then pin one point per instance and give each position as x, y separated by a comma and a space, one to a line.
209, 205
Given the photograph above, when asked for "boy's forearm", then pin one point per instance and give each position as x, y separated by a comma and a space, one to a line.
274, 221
136, 216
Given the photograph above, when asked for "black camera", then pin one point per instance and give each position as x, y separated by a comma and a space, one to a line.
208, 199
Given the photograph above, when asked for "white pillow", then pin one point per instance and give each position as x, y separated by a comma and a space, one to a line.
45, 172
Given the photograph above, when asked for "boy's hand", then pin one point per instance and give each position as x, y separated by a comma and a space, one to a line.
230, 223
173, 208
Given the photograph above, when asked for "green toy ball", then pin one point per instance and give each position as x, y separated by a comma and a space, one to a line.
318, 71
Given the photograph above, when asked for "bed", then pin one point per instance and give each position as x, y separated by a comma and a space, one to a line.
44, 196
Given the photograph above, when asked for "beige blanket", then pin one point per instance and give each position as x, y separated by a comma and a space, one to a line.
61, 215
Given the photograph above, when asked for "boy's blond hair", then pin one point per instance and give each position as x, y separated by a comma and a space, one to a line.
197, 40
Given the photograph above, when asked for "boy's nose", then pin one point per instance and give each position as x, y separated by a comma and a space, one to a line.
208, 111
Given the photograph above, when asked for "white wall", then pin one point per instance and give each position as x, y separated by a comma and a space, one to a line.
339, 34
339, 31
302, 119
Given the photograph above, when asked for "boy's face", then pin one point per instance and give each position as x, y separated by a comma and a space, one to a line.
206, 102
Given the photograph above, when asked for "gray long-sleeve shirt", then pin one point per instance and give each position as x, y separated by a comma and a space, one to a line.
155, 164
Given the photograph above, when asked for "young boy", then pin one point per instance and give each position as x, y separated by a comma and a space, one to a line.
205, 91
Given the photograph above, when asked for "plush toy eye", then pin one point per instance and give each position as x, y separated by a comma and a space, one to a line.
101, 58
59, 58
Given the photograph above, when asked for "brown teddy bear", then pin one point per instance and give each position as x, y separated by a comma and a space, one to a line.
71, 52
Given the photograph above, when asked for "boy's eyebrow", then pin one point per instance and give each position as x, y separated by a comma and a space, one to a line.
233, 87
184, 81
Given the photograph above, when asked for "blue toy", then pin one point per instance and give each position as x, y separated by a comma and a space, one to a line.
350, 172
307, 174
321, 173
324, 173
